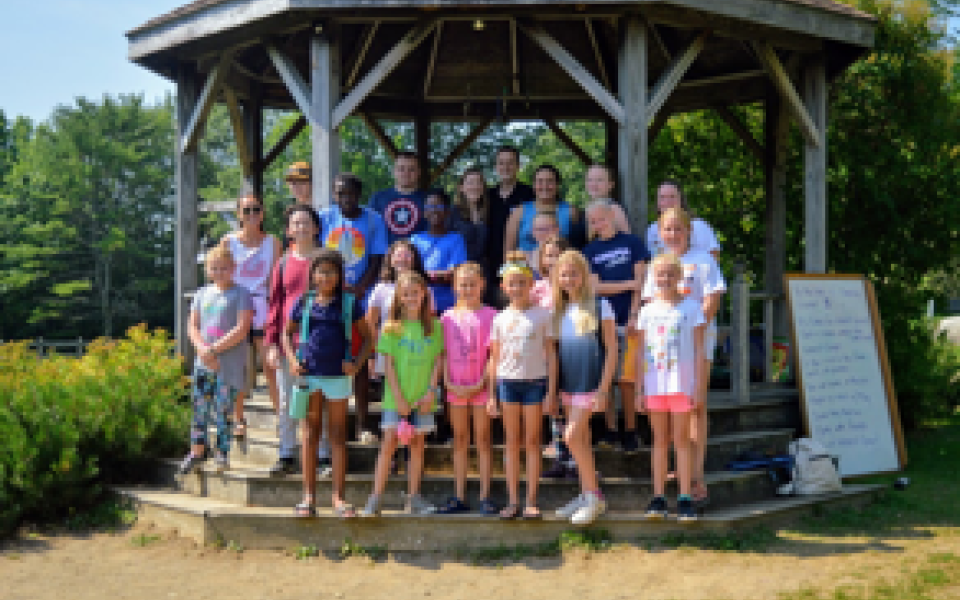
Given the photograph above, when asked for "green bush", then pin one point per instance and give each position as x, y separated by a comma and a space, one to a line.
925, 371
69, 425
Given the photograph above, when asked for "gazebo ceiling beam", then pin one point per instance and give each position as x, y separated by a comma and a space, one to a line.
284, 141
743, 132
568, 141
598, 55
459, 150
658, 39
514, 56
292, 79
673, 74
379, 134
357, 62
432, 63
725, 27
198, 116
379, 72
244, 155
569, 63
781, 80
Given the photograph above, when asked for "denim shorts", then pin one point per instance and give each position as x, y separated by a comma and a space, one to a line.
525, 392
422, 422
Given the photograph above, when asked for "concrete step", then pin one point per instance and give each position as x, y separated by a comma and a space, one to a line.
208, 521
261, 448
251, 485
770, 407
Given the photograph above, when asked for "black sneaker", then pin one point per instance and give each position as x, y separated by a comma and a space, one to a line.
284, 466
189, 464
685, 510
630, 442
657, 509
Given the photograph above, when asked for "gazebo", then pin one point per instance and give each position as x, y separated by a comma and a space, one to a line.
629, 63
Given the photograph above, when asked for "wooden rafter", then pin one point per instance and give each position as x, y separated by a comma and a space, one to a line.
371, 32
673, 74
292, 79
514, 57
379, 72
597, 53
244, 155
198, 117
379, 134
568, 141
658, 40
284, 141
460, 149
742, 131
577, 71
432, 63
781, 80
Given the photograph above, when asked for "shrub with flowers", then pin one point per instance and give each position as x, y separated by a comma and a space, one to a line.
69, 425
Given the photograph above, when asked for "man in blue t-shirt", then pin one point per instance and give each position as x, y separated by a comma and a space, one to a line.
360, 236
402, 205
619, 262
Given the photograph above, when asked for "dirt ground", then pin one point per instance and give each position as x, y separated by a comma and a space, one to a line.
41, 566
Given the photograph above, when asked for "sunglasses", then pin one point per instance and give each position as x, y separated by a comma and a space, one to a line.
252, 210
435, 208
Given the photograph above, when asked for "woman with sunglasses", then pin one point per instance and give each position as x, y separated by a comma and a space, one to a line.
255, 254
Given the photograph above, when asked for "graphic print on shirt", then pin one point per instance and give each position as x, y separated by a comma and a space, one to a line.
664, 348
613, 258
349, 241
211, 311
253, 268
686, 283
401, 216
520, 333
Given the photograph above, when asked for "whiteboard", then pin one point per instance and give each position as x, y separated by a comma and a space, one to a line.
845, 383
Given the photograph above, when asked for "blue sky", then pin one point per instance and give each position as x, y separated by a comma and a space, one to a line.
54, 51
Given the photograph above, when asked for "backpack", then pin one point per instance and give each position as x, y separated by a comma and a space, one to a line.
346, 311
814, 470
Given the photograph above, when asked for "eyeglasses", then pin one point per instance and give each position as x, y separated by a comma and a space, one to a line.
252, 210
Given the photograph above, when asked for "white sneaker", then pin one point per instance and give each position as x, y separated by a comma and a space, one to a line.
324, 469
594, 505
568, 510
416, 505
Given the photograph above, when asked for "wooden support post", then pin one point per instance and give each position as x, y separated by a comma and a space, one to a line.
284, 141
776, 141
459, 150
379, 72
239, 133
740, 335
568, 141
193, 130
186, 242
781, 79
742, 131
253, 128
633, 138
421, 132
514, 58
380, 135
815, 169
572, 66
324, 139
673, 75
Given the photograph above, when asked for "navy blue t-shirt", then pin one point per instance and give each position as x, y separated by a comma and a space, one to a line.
614, 260
326, 347
402, 213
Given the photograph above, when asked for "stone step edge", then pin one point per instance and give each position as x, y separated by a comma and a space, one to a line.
208, 521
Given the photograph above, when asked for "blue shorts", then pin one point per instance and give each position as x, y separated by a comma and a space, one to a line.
525, 392
333, 388
422, 422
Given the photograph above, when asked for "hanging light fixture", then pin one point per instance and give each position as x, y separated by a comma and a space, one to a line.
479, 25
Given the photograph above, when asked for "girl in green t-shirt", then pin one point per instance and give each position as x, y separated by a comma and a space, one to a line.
412, 345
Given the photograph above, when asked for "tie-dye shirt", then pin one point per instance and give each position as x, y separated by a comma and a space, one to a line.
219, 312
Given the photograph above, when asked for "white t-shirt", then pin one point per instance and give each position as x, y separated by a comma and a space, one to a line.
701, 277
702, 238
381, 297
522, 339
669, 350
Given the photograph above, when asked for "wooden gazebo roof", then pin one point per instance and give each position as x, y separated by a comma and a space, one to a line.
474, 64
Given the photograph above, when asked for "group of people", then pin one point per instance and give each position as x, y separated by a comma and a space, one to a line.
502, 302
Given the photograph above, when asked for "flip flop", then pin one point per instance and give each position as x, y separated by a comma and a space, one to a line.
532, 513
510, 512
304, 510
345, 511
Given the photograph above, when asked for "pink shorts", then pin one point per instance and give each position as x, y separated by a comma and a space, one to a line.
672, 403
479, 399
578, 400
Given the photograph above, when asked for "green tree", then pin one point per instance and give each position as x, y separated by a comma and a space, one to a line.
87, 231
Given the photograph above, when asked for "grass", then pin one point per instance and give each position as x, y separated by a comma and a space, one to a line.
349, 549
753, 540
110, 513
305, 552
142, 540
587, 540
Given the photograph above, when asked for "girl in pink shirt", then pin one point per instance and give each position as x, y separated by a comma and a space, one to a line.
466, 333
